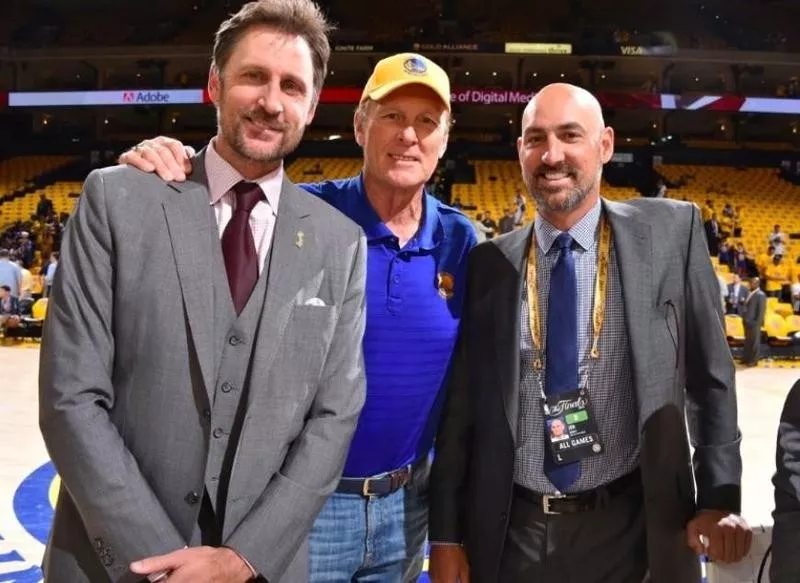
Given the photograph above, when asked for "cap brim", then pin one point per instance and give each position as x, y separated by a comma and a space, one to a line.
388, 88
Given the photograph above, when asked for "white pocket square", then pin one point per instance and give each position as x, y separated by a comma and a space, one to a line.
314, 302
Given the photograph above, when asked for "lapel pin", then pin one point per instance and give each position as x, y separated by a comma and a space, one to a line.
299, 239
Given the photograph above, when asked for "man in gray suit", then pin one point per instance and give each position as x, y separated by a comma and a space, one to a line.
755, 309
201, 371
582, 318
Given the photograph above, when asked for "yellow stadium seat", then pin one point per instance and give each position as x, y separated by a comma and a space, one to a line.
772, 303
734, 330
39, 309
792, 323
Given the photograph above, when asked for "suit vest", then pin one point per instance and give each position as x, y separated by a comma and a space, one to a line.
235, 344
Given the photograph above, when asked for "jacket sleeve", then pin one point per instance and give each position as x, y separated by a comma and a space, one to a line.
710, 384
453, 449
118, 508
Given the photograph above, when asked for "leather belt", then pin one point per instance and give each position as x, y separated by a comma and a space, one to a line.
381, 485
581, 501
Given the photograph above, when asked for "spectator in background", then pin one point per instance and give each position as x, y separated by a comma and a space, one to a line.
777, 276
707, 210
755, 309
713, 235
50, 273
739, 266
778, 240
522, 206
10, 273
45, 208
795, 290
9, 305
725, 254
723, 288
488, 221
25, 249
26, 287
507, 221
728, 211
737, 296
482, 230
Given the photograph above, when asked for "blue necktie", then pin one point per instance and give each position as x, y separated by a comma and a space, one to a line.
561, 354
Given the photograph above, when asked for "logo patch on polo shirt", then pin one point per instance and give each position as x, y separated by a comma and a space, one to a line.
445, 283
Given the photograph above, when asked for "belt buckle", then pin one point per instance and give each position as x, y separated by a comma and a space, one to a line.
365, 489
546, 503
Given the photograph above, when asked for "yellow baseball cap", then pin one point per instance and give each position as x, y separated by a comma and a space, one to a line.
404, 69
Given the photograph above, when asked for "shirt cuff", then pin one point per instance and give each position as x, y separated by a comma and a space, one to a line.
253, 573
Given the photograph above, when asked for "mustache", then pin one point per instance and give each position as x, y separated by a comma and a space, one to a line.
271, 121
565, 168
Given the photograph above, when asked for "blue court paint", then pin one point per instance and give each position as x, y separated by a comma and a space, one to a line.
29, 575
32, 503
35, 513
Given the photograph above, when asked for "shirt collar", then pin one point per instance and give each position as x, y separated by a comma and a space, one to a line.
222, 177
584, 231
427, 237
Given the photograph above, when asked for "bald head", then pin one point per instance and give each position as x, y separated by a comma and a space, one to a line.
562, 149
583, 104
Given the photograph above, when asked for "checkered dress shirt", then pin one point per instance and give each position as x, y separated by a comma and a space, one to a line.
609, 378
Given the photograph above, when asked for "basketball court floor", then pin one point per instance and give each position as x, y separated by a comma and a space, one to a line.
27, 479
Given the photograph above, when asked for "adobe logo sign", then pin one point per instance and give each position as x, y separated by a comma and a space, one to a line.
145, 97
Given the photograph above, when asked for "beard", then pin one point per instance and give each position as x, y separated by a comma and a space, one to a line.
560, 199
233, 132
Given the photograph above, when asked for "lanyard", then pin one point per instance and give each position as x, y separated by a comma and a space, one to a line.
600, 287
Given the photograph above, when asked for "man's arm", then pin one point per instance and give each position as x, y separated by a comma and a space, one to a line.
122, 516
448, 481
711, 413
283, 515
710, 385
786, 530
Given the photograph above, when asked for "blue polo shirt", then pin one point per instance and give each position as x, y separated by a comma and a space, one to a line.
414, 301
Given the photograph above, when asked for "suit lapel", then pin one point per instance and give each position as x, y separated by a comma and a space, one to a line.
507, 313
292, 244
634, 248
192, 230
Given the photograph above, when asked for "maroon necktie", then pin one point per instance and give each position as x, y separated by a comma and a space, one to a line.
238, 246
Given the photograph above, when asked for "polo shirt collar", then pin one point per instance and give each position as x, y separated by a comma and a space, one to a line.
428, 236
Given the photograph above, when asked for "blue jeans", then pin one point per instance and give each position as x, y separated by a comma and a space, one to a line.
372, 540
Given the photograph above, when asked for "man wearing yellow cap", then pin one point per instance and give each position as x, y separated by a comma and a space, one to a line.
373, 527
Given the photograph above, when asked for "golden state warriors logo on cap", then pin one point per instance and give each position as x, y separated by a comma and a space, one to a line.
445, 283
415, 66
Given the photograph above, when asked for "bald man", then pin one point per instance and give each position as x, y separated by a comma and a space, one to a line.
606, 316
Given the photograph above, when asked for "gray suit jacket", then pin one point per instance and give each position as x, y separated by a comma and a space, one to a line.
755, 310
680, 360
785, 567
127, 372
